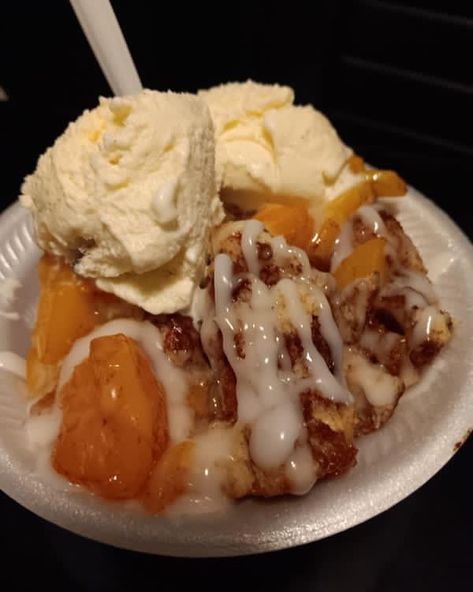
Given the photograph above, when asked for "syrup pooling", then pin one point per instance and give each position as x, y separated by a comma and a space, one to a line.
268, 387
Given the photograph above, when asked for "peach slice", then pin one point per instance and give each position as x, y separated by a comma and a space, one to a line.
293, 221
65, 312
69, 308
114, 425
41, 378
367, 259
376, 184
169, 478
337, 212
387, 183
356, 164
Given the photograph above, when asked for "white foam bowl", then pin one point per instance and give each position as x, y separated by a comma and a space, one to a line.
392, 463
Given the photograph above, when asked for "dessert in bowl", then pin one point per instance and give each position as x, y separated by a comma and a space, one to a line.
210, 331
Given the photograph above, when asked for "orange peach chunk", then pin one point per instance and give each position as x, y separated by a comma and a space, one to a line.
114, 425
367, 259
356, 164
69, 308
65, 312
337, 212
169, 478
41, 378
345, 205
376, 184
387, 183
293, 221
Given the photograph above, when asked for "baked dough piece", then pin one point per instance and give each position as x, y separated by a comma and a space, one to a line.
328, 423
392, 327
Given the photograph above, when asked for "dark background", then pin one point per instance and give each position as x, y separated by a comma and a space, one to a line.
395, 77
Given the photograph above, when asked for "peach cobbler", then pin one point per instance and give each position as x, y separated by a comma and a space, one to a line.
303, 314
297, 350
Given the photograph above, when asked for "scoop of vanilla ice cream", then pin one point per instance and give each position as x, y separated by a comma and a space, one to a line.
128, 194
267, 144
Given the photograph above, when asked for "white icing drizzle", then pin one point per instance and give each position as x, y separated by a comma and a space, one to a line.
268, 389
420, 283
331, 334
164, 202
409, 374
344, 243
274, 434
249, 236
343, 246
12, 362
380, 387
300, 470
258, 383
413, 298
43, 429
415, 286
322, 378
173, 379
378, 342
424, 326
282, 252
211, 453
371, 218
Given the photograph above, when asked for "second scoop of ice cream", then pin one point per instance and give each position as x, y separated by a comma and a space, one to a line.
265, 144
128, 194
